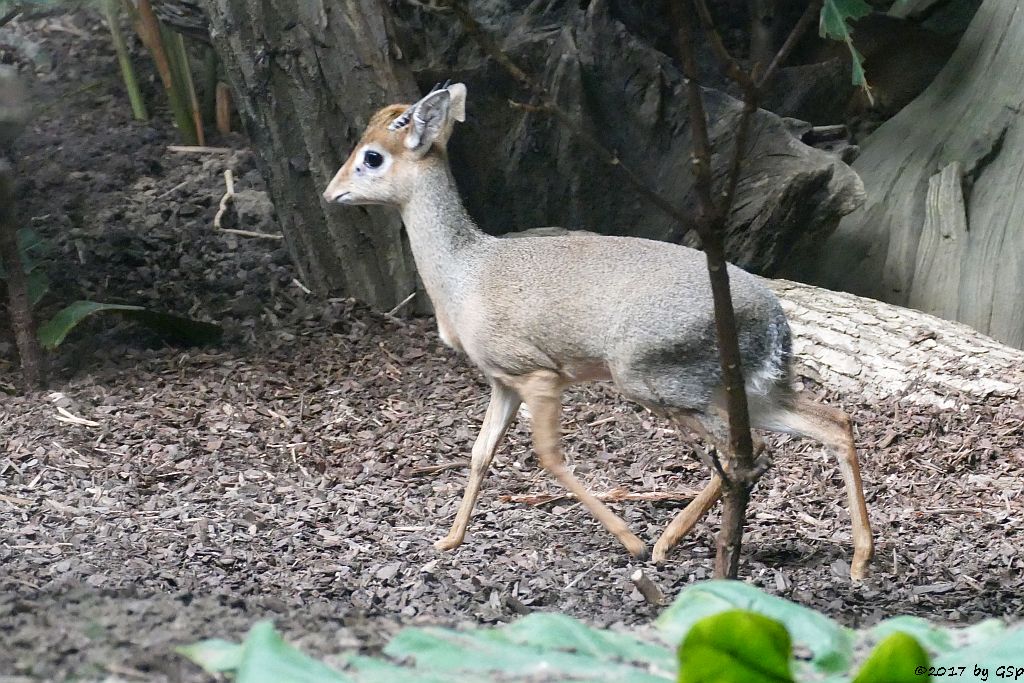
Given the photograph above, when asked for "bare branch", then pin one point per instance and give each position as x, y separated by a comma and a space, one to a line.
810, 14
729, 63
711, 227
701, 160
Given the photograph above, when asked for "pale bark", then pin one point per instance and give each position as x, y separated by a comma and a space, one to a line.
876, 351
971, 115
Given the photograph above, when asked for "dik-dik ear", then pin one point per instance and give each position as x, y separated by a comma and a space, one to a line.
433, 118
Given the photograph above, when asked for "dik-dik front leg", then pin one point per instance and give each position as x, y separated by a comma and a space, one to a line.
542, 393
500, 411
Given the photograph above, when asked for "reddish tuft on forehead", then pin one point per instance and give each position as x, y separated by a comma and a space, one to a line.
384, 117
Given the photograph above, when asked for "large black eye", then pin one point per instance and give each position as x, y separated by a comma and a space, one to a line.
373, 159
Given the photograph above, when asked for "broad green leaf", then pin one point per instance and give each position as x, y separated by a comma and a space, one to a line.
440, 650
559, 632
266, 658
214, 655
1005, 649
858, 76
28, 241
177, 328
370, 669
934, 638
897, 659
831, 645
731, 633
37, 284
989, 630
834, 15
736, 646
263, 657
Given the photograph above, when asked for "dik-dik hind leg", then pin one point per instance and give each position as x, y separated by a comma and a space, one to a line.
542, 393
500, 411
832, 427
685, 520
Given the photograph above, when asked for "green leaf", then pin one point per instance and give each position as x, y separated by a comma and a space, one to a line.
835, 14
831, 645
214, 655
1004, 649
266, 658
175, 327
858, 76
28, 241
369, 669
263, 657
461, 652
720, 644
559, 632
897, 659
736, 646
934, 638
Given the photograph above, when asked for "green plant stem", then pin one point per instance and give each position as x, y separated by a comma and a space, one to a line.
150, 31
112, 11
178, 91
182, 70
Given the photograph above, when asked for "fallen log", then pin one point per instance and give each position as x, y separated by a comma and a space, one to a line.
879, 351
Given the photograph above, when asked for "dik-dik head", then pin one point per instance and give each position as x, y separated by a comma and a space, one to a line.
397, 143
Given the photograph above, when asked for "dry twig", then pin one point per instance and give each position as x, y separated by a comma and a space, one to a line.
615, 495
198, 149
227, 199
652, 594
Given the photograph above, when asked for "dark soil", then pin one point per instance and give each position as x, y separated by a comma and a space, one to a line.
301, 470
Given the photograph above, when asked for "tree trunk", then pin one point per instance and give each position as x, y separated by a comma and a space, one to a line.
306, 78
19, 308
308, 75
945, 185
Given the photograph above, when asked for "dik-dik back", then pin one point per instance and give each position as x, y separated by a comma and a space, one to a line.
538, 314
581, 303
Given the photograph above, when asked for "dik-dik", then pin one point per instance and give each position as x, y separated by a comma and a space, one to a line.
540, 313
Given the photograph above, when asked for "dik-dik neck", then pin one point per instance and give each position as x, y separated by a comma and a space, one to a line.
442, 235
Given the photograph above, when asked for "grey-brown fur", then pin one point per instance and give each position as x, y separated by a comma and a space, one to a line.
537, 314
643, 308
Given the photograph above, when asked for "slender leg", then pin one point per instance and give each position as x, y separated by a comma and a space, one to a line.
711, 433
500, 411
832, 428
687, 519
542, 393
